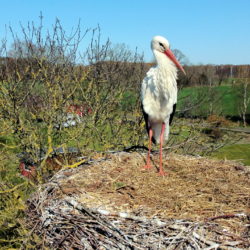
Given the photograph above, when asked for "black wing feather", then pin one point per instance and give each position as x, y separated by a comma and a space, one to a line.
172, 114
147, 122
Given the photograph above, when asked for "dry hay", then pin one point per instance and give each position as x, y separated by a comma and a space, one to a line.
113, 203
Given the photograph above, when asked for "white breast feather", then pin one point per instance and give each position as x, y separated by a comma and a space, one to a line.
159, 94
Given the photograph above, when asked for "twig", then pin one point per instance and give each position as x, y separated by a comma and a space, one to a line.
226, 216
210, 243
106, 224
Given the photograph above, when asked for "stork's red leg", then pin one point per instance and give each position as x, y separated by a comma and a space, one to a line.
163, 126
148, 165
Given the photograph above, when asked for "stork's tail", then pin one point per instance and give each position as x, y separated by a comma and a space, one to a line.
156, 127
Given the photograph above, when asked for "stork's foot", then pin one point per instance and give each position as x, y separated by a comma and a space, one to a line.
162, 173
147, 166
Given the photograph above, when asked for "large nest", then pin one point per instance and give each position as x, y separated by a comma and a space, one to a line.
113, 203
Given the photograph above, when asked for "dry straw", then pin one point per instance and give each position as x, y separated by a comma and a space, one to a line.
112, 203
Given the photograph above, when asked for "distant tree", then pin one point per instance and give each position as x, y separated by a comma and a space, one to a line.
243, 92
222, 72
181, 57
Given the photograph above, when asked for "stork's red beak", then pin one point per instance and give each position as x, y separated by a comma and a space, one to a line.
172, 57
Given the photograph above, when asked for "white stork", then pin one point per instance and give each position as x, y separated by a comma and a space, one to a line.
159, 95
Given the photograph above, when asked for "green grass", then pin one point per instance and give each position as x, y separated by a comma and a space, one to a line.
226, 100
239, 152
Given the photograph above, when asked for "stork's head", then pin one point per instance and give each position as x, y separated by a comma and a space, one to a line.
161, 44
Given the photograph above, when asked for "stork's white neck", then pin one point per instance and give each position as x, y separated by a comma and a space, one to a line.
164, 64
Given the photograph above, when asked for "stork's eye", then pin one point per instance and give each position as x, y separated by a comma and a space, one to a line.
161, 44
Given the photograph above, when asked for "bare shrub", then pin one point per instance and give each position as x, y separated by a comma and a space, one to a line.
43, 83
112, 92
37, 84
43, 78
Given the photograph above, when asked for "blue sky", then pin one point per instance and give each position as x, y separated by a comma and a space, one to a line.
206, 31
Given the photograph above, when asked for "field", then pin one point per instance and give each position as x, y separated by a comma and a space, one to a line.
238, 152
225, 100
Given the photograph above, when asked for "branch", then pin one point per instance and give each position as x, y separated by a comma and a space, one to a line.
13, 189
226, 216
